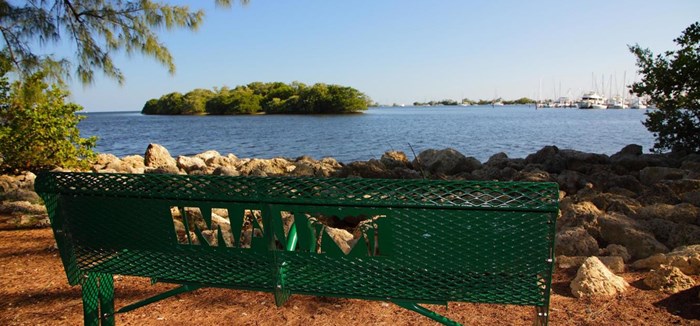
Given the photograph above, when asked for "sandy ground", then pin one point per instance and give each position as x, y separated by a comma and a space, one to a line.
34, 291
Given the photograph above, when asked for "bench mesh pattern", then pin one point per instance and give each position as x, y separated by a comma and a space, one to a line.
324, 191
439, 240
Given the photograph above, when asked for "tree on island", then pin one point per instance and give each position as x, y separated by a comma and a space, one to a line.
672, 83
97, 28
270, 98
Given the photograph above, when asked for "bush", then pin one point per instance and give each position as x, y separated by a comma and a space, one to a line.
38, 130
672, 83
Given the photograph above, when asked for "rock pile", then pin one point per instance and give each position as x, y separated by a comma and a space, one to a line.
631, 210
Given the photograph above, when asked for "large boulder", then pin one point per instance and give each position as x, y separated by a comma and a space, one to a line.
158, 156
445, 161
575, 241
593, 279
668, 279
620, 229
549, 158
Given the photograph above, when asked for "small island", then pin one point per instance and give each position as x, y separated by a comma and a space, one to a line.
259, 97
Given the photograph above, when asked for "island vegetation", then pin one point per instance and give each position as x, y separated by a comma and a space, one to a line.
259, 97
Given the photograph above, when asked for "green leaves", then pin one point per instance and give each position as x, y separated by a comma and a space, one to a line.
258, 97
672, 82
96, 27
38, 130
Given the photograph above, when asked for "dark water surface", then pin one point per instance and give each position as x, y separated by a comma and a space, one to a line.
474, 131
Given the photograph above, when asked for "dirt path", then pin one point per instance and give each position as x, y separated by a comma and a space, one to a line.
34, 291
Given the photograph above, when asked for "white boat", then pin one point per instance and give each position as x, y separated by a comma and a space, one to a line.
637, 103
592, 100
616, 102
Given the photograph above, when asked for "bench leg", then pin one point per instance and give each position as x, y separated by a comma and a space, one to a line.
425, 312
541, 316
98, 299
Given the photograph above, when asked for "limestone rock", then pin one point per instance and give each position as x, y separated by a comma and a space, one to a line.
533, 176
618, 250
264, 167
684, 235
575, 241
614, 263
445, 161
584, 214
395, 159
342, 238
158, 156
616, 203
221, 161
633, 150
668, 279
622, 230
692, 197
653, 174
549, 158
370, 169
190, 164
582, 161
681, 213
593, 279
208, 155
21, 207
687, 259
166, 169
108, 162
226, 170
498, 160
571, 181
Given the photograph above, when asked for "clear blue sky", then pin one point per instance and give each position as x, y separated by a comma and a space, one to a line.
400, 51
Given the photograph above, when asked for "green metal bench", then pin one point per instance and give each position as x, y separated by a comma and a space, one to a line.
409, 242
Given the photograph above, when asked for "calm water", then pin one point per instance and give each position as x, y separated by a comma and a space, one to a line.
474, 131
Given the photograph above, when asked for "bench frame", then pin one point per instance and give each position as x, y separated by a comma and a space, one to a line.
500, 199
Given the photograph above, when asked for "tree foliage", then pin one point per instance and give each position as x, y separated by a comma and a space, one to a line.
672, 82
256, 97
97, 28
38, 130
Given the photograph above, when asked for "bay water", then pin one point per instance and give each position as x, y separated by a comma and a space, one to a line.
478, 131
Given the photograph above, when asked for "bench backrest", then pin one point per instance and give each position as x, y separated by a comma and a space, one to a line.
417, 240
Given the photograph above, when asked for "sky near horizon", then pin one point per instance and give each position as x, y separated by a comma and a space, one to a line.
401, 51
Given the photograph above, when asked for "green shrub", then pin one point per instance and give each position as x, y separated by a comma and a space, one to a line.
38, 130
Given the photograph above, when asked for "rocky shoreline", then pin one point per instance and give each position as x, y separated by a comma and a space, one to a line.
627, 211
